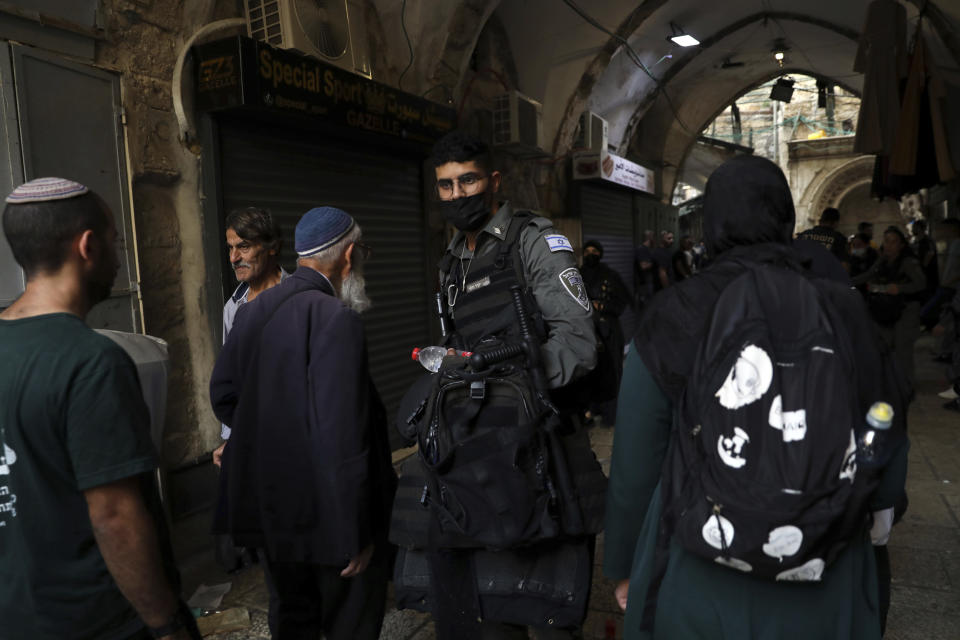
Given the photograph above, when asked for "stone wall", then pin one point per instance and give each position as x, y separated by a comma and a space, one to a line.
823, 170
769, 136
144, 38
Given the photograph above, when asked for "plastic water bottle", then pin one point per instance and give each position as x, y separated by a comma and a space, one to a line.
871, 443
431, 357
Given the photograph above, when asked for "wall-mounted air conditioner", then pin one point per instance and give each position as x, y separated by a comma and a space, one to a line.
517, 122
592, 133
332, 30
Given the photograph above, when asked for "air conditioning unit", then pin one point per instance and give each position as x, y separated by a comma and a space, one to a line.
592, 134
332, 30
517, 122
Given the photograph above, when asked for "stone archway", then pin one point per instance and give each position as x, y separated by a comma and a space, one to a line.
457, 39
838, 182
856, 205
847, 188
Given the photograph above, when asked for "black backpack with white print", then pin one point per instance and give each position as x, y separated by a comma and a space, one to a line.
761, 475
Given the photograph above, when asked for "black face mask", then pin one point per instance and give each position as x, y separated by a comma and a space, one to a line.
591, 260
468, 213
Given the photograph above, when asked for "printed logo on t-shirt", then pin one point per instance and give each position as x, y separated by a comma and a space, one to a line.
8, 501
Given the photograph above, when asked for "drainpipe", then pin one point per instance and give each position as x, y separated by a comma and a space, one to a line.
187, 132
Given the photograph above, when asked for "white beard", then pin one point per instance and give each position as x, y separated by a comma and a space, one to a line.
353, 292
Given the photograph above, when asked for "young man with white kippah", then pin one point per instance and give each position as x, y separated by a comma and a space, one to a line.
306, 474
84, 551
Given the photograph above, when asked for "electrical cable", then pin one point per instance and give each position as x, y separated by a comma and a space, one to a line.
634, 57
403, 25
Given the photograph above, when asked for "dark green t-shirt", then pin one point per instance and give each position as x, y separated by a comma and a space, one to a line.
72, 417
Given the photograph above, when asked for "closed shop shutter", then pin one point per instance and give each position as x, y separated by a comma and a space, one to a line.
289, 172
607, 217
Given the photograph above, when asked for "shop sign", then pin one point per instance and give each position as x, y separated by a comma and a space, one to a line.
591, 165
242, 72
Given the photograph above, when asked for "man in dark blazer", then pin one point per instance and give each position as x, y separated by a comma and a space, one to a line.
306, 474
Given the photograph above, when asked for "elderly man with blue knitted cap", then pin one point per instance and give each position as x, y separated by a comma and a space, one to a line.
306, 474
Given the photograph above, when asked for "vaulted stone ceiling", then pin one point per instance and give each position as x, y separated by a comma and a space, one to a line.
569, 65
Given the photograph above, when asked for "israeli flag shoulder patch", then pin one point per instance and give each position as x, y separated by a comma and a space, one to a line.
558, 243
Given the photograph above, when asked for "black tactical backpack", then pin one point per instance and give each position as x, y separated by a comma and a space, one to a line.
762, 474
486, 460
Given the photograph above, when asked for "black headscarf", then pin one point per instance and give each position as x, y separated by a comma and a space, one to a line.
748, 216
596, 245
747, 202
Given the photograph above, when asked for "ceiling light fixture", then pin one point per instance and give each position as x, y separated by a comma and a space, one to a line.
779, 49
681, 38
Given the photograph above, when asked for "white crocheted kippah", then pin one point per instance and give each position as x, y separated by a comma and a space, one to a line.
45, 190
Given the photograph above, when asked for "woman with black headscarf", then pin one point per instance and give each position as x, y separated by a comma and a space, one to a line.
749, 220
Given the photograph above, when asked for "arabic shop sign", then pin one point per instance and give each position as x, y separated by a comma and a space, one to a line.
241, 72
589, 165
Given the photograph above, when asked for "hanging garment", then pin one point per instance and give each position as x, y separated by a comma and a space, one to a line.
917, 135
882, 58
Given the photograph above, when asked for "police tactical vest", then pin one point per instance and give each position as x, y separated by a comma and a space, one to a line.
479, 288
488, 472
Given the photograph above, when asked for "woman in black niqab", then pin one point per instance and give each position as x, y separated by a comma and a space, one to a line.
748, 220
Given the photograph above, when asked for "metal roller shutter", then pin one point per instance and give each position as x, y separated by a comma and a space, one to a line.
607, 217
289, 173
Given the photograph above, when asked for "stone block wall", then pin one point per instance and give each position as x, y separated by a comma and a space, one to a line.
143, 39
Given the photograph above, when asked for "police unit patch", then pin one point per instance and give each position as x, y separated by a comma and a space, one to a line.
573, 283
558, 243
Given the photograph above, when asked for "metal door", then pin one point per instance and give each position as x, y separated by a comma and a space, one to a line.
70, 127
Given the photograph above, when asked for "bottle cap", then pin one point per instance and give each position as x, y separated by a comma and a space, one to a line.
880, 415
416, 354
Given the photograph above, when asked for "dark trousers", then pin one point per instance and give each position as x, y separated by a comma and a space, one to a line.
272, 590
314, 598
882, 555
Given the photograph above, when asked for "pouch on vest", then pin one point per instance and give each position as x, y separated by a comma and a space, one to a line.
543, 586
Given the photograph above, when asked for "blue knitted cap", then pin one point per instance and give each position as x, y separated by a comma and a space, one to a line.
321, 228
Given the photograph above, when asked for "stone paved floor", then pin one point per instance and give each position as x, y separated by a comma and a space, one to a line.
924, 547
